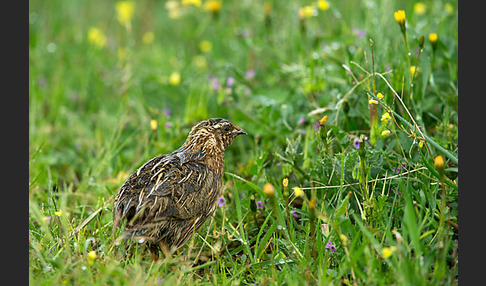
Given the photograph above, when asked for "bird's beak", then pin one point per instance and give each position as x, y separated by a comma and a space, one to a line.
241, 132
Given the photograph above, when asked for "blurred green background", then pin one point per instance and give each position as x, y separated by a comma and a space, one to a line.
112, 84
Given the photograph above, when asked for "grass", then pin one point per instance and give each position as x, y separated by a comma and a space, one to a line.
389, 213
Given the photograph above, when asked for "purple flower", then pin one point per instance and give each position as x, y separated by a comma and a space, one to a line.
42, 82
316, 125
168, 124
230, 81
330, 246
221, 202
302, 120
294, 213
356, 143
397, 169
215, 82
303, 132
250, 74
361, 33
259, 204
358, 32
167, 112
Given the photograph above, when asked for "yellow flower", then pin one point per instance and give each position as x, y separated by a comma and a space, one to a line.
323, 120
285, 182
205, 46
58, 213
212, 6
148, 37
372, 101
120, 177
307, 12
421, 144
312, 204
448, 8
379, 95
91, 257
439, 163
196, 3
385, 133
124, 11
175, 78
121, 53
298, 191
269, 190
400, 18
388, 251
96, 37
344, 239
433, 40
153, 124
413, 70
174, 9
267, 8
385, 117
200, 62
419, 8
323, 5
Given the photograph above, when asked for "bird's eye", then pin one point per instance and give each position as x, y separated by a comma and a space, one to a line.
226, 128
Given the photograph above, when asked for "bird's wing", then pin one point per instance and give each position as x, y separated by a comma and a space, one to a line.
127, 196
168, 187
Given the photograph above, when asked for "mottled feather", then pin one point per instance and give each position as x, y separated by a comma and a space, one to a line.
170, 196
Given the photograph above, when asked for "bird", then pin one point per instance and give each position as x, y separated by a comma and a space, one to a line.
170, 196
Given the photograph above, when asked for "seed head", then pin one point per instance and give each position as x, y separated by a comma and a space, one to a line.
421, 42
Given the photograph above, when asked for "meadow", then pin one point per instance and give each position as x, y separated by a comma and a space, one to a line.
348, 174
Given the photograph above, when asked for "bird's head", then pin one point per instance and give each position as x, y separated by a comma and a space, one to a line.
213, 133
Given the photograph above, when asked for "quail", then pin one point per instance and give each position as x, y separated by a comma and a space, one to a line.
170, 196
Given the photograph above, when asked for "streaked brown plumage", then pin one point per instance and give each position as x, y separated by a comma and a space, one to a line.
170, 196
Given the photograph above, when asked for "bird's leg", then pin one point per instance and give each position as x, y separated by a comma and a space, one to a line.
154, 252
117, 218
165, 250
